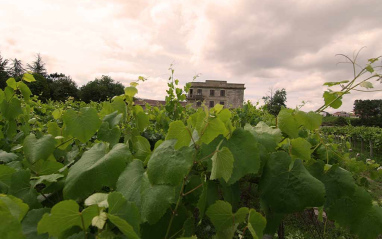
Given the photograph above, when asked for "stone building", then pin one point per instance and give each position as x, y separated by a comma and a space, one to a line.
214, 92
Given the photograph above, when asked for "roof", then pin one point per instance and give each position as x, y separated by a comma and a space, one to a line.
217, 84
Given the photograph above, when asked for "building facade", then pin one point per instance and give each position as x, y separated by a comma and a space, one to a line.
213, 92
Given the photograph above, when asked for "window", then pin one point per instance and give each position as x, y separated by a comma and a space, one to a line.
222, 92
199, 92
198, 103
222, 103
191, 92
212, 104
212, 92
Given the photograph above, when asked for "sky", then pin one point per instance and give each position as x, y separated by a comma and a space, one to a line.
267, 45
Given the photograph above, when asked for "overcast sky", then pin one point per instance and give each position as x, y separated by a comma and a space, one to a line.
264, 44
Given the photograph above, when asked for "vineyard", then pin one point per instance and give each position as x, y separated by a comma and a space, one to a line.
116, 170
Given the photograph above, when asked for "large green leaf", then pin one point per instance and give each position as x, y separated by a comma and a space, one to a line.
109, 135
331, 99
211, 130
21, 188
29, 224
65, 215
36, 149
209, 196
82, 125
6, 157
256, 224
130, 182
128, 211
220, 214
10, 227
289, 189
169, 166
347, 204
265, 135
300, 149
222, 164
95, 169
245, 152
287, 123
179, 132
11, 110
153, 200
309, 120
142, 148
124, 226
14, 206
156, 199
6, 173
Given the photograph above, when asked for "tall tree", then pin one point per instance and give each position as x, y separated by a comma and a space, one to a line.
38, 66
275, 101
62, 87
17, 69
101, 89
3, 72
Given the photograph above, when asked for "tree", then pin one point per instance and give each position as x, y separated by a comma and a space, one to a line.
62, 87
368, 108
3, 72
40, 87
275, 102
38, 66
100, 89
17, 69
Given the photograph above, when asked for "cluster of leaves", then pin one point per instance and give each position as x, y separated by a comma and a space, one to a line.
76, 170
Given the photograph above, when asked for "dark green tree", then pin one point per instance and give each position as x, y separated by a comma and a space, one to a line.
17, 69
38, 66
40, 87
275, 101
3, 72
100, 89
62, 87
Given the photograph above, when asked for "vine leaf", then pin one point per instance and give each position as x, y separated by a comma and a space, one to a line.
65, 215
179, 132
127, 211
265, 135
82, 125
95, 169
14, 206
222, 164
331, 99
300, 149
256, 224
130, 182
141, 148
169, 166
245, 152
309, 120
122, 225
287, 123
222, 217
29, 223
288, 190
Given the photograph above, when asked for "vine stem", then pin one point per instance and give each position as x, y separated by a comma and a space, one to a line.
83, 225
184, 194
64, 142
181, 195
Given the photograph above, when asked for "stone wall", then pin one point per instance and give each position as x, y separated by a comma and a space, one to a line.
233, 97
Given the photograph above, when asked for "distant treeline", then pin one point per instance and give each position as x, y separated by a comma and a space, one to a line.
369, 113
58, 86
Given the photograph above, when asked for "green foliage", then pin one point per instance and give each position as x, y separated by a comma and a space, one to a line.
275, 102
100, 89
171, 172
